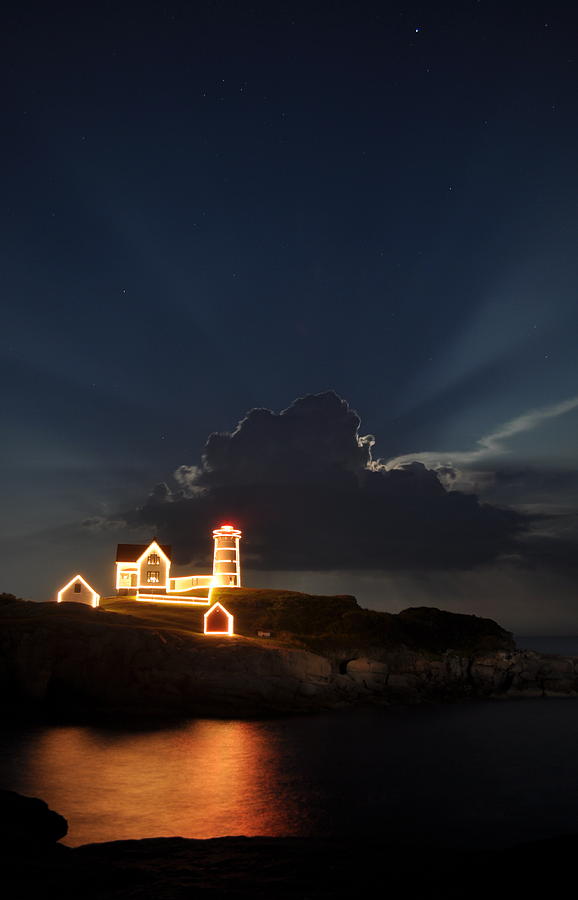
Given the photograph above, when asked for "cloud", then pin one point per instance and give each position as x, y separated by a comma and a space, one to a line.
490, 445
315, 440
97, 524
489, 471
303, 486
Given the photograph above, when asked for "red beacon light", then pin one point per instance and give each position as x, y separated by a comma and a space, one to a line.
227, 531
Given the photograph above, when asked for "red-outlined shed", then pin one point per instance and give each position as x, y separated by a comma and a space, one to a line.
218, 620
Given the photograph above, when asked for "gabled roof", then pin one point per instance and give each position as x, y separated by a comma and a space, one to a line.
79, 578
133, 552
220, 609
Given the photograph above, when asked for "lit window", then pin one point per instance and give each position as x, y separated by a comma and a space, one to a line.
154, 559
153, 577
77, 588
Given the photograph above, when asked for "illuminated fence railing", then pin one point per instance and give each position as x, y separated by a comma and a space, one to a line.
189, 582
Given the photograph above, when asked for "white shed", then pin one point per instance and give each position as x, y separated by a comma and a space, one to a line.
78, 591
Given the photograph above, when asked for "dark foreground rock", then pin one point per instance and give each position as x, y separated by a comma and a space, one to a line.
73, 660
28, 822
32, 864
309, 868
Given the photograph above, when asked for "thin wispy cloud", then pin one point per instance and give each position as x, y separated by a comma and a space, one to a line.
490, 445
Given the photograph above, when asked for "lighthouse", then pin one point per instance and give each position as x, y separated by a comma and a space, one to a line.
226, 562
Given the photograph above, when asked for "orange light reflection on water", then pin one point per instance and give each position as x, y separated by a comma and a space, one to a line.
205, 779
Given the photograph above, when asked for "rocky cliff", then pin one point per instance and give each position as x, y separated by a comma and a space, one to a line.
83, 661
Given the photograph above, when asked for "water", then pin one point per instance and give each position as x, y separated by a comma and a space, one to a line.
489, 773
565, 646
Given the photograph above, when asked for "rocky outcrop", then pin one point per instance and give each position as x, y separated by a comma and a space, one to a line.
314, 868
28, 822
83, 661
409, 676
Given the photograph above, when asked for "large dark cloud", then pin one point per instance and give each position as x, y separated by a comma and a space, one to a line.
304, 488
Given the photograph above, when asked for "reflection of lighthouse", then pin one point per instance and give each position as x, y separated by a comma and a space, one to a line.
226, 562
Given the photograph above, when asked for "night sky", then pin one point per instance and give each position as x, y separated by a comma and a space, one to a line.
351, 218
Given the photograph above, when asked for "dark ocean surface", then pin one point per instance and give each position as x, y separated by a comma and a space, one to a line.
481, 773
565, 646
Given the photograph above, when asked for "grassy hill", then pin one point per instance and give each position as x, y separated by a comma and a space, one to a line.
290, 616
326, 623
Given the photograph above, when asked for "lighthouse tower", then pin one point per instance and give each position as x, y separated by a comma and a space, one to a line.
226, 562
